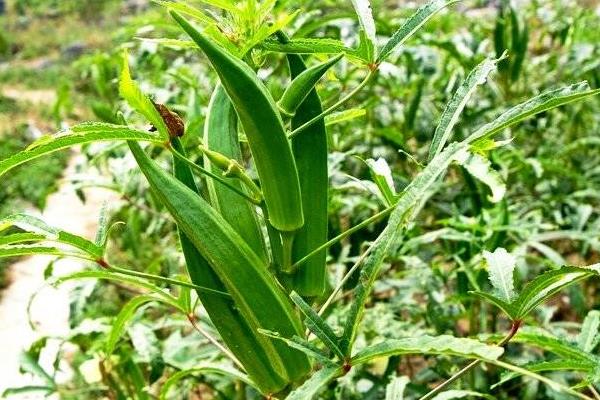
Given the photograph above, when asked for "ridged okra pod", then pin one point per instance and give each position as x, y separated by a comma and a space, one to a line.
302, 85
237, 334
221, 135
264, 129
254, 292
310, 152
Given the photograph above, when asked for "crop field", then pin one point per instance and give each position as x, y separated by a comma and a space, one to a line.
281, 199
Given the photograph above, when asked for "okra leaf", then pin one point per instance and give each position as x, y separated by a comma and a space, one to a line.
508, 308
459, 394
541, 339
35, 225
126, 314
417, 20
440, 345
21, 238
368, 38
79, 134
589, 337
343, 116
481, 168
301, 344
318, 380
308, 46
501, 265
547, 284
317, 325
544, 366
543, 102
131, 92
29, 250
456, 105
382, 176
203, 368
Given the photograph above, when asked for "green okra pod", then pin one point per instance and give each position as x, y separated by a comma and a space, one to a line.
255, 293
238, 335
221, 135
310, 152
264, 129
302, 85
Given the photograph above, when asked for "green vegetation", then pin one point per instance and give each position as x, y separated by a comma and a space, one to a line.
329, 200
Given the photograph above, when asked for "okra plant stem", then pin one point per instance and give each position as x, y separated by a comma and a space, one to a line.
513, 331
335, 106
204, 171
344, 234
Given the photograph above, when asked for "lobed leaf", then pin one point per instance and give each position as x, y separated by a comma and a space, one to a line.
481, 168
501, 265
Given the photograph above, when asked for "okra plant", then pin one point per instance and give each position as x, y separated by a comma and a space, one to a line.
252, 215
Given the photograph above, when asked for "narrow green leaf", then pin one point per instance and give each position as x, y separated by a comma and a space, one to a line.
501, 265
367, 27
395, 389
309, 46
382, 176
441, 345
202, 369
418, 19
536, 105
318, 326
126, 313
589, 337
78, 134
316, 382
303, 345
21, 238
459, 394
478, 76
131, 92
545, 366
187, 10
546, 285
508, 308
29, 250
539, 338
343, 116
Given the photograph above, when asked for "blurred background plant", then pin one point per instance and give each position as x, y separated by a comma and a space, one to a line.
60, 62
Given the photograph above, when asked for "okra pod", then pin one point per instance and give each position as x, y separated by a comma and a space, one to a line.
310, 152
221, 135
302, 85
237, 334
255, 293
264, 129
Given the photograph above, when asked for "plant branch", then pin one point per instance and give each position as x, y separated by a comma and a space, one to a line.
513, 331
328, 111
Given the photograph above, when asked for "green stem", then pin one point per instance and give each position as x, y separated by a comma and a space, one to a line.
287, 241
513, 331
344, 234
162, 279
204, 171
328, 111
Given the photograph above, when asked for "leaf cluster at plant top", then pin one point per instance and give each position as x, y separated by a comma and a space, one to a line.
463, 182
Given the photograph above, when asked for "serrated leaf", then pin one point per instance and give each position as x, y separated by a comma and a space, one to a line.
301, 344
318, 326
440, 345
589, 337
309, 46
187, 10
543, 102
29, 250
508, 309
478, 76
312, 385
382, 176
501, 265
78, 134
546, 285
543, 340
418, 19
204, 368
368, 38
21, 238
481, 168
